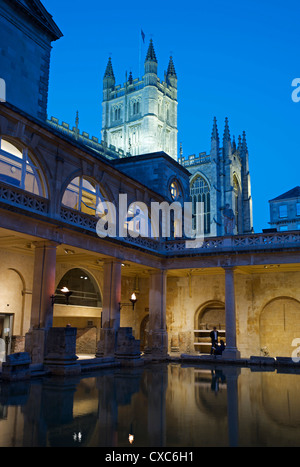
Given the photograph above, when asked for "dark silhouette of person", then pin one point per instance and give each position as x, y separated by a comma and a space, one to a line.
220, 348
214, 339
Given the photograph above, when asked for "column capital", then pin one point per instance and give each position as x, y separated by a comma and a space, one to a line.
229, 268
46, 244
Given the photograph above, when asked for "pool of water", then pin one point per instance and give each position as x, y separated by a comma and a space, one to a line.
158, 405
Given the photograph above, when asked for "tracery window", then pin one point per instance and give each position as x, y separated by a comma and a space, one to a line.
18, 168
200, 192
84, 195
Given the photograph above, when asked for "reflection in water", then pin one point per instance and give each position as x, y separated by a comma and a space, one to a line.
154, 406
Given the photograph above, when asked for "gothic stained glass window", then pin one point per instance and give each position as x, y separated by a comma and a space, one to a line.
18, 168
200, 192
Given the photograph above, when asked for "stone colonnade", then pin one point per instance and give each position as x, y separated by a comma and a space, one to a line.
43, 299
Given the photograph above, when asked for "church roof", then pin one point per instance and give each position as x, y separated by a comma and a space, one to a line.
151, 53
293, 193
36, 11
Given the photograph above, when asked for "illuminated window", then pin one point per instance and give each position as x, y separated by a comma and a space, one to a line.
200, 193
18, 168
85, 196
174, 189
83, 287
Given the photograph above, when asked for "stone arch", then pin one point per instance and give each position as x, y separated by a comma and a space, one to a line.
19, 166
209, 314
279, 325
81, 271
83, 193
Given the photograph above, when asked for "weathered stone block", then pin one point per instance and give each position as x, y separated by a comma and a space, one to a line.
16, 367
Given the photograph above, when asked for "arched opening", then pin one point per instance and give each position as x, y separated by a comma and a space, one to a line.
279, 326
208, 316
85, 195
84, 289
83, 310
137, 221
18, 168
200, 193
237, 203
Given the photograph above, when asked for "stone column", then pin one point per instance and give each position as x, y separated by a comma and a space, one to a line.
158, 337
110, 308
43, 289
231, 350
43, 285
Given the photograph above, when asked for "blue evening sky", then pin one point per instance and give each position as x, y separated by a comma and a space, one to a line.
234, 59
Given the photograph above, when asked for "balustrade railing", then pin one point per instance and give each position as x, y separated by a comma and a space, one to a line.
14, 196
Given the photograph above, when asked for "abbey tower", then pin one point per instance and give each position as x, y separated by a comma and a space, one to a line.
140, 117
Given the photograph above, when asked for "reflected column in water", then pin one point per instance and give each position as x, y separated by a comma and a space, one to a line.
157, 383
232, 375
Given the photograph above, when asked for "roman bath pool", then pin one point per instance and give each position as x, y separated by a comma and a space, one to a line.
158, 405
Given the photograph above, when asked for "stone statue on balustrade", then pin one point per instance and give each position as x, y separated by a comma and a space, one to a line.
229, 219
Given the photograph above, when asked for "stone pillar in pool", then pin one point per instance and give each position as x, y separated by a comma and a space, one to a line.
231, 350
158, 337
110, 308
43, 290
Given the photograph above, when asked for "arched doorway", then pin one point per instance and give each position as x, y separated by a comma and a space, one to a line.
83, 310
279, 325
207, 316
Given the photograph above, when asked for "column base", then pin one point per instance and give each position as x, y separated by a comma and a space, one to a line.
106, 346
157, 344
231, 353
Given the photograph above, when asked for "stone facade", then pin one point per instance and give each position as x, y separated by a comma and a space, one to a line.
54, 189
224, 179
27, 32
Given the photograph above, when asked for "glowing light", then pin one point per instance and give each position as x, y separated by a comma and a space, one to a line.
130, 438
65, 289
133, 296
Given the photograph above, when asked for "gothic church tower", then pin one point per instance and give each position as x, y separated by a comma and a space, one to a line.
140, 117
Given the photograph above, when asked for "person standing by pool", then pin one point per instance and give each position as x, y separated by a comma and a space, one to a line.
214, 339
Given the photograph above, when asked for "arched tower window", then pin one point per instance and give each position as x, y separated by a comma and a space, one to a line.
84, 195
18, 168
85, 291
200, 192
236, 191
